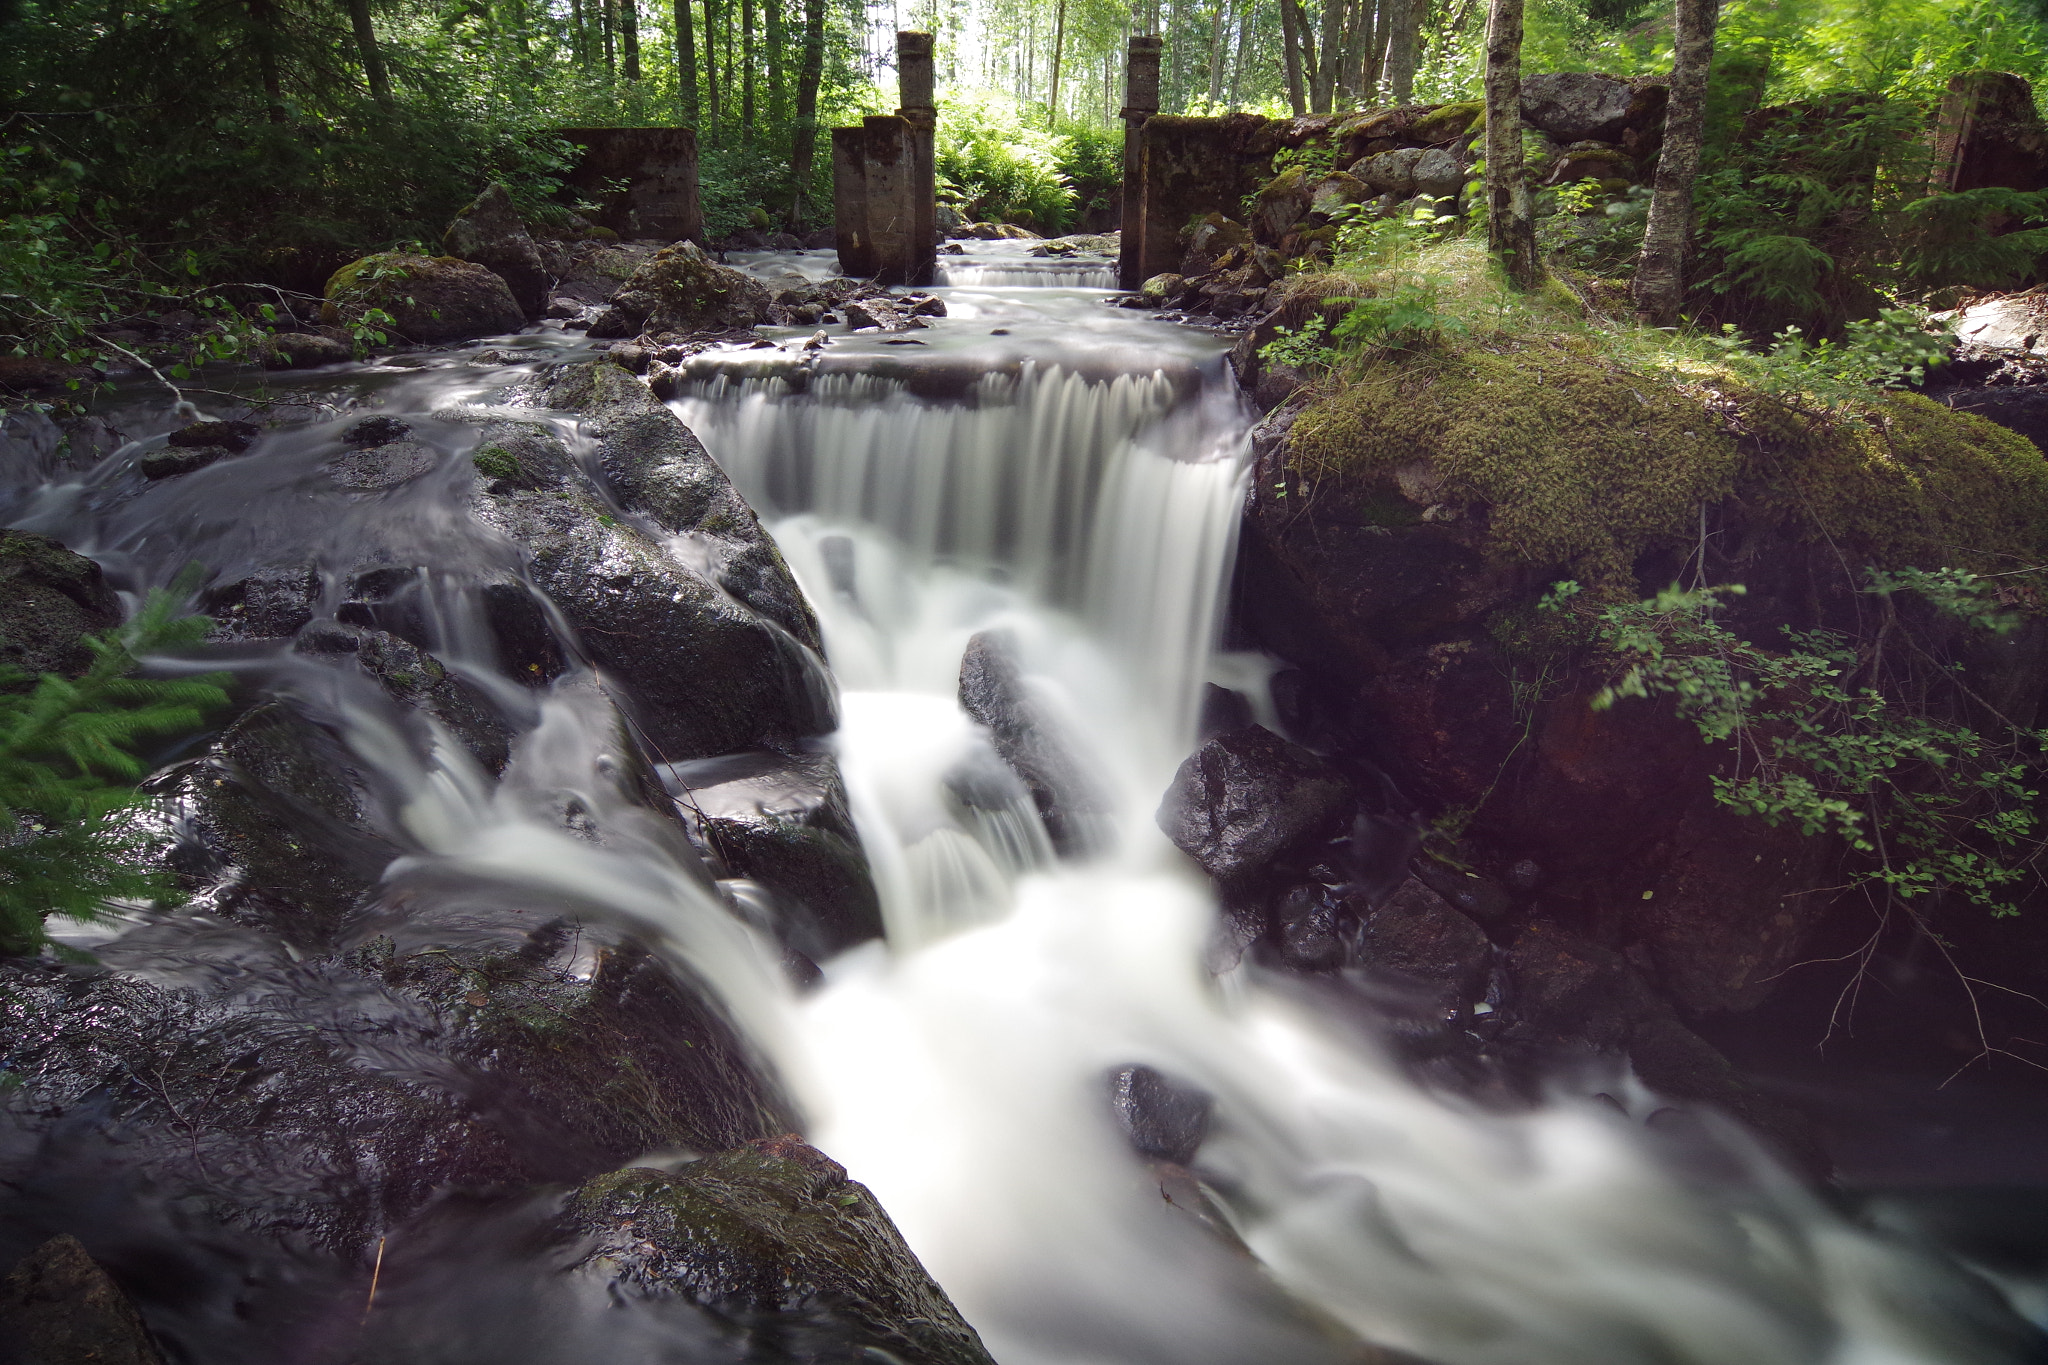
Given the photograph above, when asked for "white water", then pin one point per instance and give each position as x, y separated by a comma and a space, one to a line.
958, 1069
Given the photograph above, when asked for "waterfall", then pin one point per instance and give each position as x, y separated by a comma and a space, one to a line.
1027, 274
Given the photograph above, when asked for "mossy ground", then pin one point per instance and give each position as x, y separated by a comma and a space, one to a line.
1587, 441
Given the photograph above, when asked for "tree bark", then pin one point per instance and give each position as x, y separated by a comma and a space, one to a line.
1330, 57
1510, 222
374, 74
747, 57
1216, 53
1059, 43
629, 37
609, 16
1404, 30
777, 105
263, 28
712, 112
1659, 286
1292, 24
804, 133
686, 63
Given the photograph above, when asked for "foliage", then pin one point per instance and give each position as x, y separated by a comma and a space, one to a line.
1893, 350
997, 167
1407, 317
74, 831
1828, 737
1306, 347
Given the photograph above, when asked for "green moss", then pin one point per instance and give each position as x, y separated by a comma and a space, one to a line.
496, 462
1448, 122
1579, 464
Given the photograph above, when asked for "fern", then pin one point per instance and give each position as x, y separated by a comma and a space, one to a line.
1951, 236
74, 831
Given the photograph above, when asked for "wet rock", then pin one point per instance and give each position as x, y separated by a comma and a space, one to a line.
418, 679
1416, 934
1246, 797
680, 289
1480, 898
167, 462
1308, 929
376, 431
1162, 1119
527, 648
1161, 290
772, 1236
656, 464
58, 1307
50, 599
428, 298
269, 604
488, 233
233, 436
35, 376
880, 313
1223, 710
369, 468
302, 351
992, 690
630, 358
1574, 106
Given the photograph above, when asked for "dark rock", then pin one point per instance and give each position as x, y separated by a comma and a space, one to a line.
167, 462
1479, 897
992, 690
428, 298
302, 351
821, 240
1223, 710
488, 232
386, 466
50, 599
1416, 934
235, 436
27, 374
630, 358
269, 604
1989, 134
57, 1307
1308, 929
1598, 161
1245, 798
418, 679
885, 314
1574, 106
376, 431
773, 1236
680, 289
656, 464
527, 648
1163, 1120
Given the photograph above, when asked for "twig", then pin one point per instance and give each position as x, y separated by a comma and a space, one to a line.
375, 1272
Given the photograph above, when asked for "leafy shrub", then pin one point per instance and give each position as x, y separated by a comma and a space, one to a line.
996, 166
73, 827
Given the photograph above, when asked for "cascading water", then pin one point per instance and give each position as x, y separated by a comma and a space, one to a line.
1079, 499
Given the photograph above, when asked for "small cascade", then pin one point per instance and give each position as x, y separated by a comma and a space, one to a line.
1027, 274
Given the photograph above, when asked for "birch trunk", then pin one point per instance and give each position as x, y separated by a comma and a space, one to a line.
1510, 223
1659, 286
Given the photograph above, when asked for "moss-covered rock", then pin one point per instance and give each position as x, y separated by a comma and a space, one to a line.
1447, 122
773, 1238
680, 289
429, 299
50, 599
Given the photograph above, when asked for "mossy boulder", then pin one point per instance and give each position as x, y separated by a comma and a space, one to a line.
1282, 202
50, 599
680, 289
430, 299
1447, 123
489, 233
773, 1238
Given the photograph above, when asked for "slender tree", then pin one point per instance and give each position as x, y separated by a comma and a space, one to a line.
713, 119
263, 33
629, 37
747, 71
1059, 43
778, 104
804, 129
1291, 24
686, 64
372, 56
1510, 221
1667, 235
1404, 30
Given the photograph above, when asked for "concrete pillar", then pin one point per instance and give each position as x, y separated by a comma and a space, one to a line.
919, 108
850, 203
642, 180
1987, 134
889, 158
1141, 102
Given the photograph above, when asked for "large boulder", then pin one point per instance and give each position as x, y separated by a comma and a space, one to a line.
993, 691
489, 233
50, 599
429, 299
680, 289
1573, 106
58, 1307
773, 1237
1248, 796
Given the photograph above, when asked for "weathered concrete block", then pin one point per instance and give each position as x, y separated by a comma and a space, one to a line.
1988, 133
659, 169
850, 203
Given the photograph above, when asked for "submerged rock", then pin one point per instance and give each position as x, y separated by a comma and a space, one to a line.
772, 1237
1162, 1119
1248, 796
992, 690
58, 1307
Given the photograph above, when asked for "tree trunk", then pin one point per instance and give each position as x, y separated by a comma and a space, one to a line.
373, 56
686, 64
1216, 54
629, 37
1365, 41
1291, 36
263, 28
1404, 19
712, 112
777, 103
805, 130
609, 16
747, 71
1659, 285
1510, 223
1330, 55
577, 40
1059, 42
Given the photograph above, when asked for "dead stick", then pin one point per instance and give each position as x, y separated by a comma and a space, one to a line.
375, 1271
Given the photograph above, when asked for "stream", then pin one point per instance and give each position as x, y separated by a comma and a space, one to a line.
1069, 477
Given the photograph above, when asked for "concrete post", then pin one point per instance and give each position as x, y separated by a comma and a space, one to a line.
850, 203
889, 157
1141, 102
919, 108
1987, 134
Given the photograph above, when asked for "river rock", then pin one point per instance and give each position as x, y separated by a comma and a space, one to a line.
488, 233
680, 289
1416, 934
368, 468
419, 680
772, 1236
58, 1307
1572, 106
428, 298
50, 599
1162, 1119
301, 351
167, 462
1246, 797
271, 603
656, 464
992, 690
